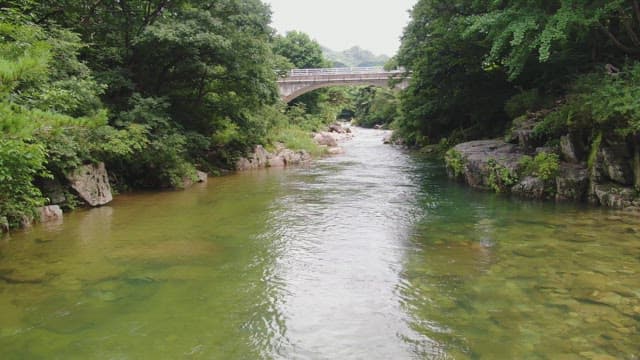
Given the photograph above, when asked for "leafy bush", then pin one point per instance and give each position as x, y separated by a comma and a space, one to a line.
455, 162
501, 178
20, 163
544, 165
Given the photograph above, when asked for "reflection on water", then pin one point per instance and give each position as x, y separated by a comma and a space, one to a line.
368, 255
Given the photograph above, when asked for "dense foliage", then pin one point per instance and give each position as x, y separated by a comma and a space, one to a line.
154, 88
477, 65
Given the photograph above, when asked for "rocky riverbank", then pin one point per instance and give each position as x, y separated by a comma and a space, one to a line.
605, 173
282, 157
89, 185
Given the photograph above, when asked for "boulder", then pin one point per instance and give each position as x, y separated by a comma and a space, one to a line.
337, 128
257, 159
92, 184
477, 154
614, 196
335, 150
523, 133
277, 161
326, 139
613, 163
530, 187
202, 176
291, 157
283, 157
572, 182
50, 213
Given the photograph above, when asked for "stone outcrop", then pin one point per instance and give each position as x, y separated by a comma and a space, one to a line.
530, 187
325, 138
282, 157
476, 156
614, 196
614, 168
91, 182
572, 182
50, 213
200, 177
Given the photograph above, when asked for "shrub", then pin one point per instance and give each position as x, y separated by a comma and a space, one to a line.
20, 163
455, 162
501, 178
544, 165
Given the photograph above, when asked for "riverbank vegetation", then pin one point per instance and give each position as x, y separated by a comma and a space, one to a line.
558, 79
477, 66
154, 89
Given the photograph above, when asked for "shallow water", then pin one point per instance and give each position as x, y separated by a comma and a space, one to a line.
369, 255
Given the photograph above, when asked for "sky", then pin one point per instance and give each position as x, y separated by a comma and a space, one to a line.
374, 25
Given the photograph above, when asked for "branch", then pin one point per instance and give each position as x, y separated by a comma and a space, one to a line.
617, 42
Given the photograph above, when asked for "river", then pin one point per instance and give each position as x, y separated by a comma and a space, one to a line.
372, 254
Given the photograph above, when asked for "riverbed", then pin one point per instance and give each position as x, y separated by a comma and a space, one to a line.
372, 254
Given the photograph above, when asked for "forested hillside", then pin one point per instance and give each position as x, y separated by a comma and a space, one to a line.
478, 65
354, 57
152, 88
555, 84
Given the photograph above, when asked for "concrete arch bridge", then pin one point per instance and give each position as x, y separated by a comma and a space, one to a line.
302, 81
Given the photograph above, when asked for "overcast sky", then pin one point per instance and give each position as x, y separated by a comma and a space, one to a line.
375, 25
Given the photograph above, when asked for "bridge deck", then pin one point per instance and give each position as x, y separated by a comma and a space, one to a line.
300, 81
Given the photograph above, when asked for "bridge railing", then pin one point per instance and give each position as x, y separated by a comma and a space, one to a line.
342, 71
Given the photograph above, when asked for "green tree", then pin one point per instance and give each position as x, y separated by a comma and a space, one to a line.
451, 89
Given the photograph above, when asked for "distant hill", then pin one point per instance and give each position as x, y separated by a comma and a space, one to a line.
354, 57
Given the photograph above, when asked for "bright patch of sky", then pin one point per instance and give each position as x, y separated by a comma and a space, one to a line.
374, 25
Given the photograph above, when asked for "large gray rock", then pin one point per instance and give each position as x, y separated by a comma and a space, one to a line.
50, 213
256, 160
337, 128
292, 158
283, 157
614, 196
572, 182
477, 154
92, 184
325, 139
202, 176
613, 163
530, 187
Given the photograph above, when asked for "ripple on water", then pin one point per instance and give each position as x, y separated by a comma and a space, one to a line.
372, 254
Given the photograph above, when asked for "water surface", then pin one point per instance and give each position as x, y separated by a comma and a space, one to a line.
368, 255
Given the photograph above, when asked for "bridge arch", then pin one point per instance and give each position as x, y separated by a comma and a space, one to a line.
301, 81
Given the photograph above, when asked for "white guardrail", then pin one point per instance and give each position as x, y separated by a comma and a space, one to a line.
342, 71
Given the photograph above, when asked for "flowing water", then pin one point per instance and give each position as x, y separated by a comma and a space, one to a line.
368, 255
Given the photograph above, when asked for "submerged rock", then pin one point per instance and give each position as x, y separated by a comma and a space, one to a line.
614, 196
92, 184
50, 213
